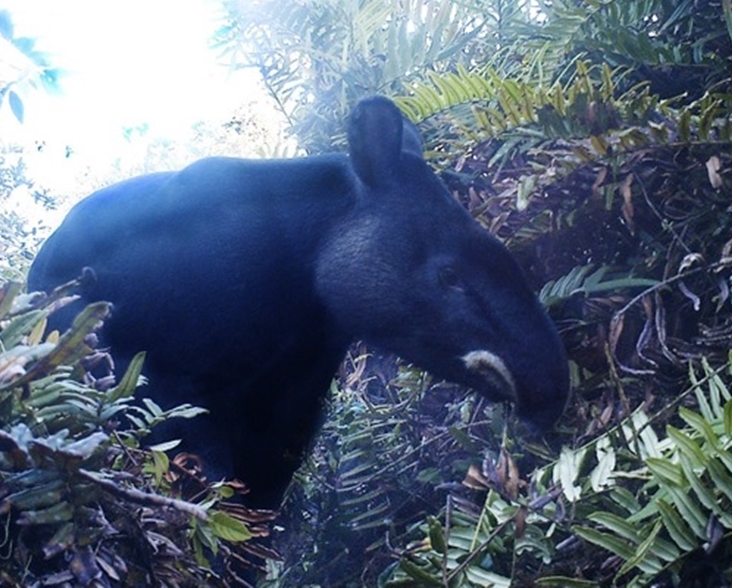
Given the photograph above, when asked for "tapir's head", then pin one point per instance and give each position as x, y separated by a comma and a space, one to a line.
410, 271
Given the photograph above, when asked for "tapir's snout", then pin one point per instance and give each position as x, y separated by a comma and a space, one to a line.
491, 367
540, 393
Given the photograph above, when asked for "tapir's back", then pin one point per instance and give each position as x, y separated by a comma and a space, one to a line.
89, 226
204, 210
217, 248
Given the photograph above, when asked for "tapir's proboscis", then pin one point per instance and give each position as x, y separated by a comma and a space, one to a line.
245, 282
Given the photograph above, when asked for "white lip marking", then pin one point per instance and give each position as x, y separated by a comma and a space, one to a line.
490, 365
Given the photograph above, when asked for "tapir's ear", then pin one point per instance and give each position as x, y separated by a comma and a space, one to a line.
411, 138
375, 133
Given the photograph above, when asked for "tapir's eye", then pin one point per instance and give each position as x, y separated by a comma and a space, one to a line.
449, 278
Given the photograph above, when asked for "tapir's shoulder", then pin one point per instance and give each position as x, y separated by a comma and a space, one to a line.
224, 164
276, 175
213, 181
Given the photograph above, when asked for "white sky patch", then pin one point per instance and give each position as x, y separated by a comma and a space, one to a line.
129, 63
143, 64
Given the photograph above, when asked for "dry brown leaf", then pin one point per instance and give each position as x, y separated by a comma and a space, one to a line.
475, 480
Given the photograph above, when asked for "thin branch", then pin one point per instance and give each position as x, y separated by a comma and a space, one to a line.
144, 498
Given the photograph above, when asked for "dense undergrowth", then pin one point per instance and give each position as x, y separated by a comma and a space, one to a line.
81, 502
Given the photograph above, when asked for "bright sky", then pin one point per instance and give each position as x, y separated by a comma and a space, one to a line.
129, 62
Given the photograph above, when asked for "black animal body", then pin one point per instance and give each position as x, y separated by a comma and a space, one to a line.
245, 282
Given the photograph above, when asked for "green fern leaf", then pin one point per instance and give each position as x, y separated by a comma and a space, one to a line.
643, 558
612, 543
723, 482
677, 529
687, 446
703, 492
666, 471
617, 525
728, 418
701, 424
689, 511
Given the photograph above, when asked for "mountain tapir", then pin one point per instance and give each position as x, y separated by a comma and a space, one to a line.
245, 281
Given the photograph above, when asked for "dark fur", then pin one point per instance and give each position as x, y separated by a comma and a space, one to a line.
245, 281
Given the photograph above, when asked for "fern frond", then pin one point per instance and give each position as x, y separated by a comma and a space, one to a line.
688, 488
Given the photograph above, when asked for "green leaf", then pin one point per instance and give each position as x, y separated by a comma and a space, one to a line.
602, 474
689, 511
706, 120
717, 388
362, 498
564, 582
63, 539
129, 382
71, 346
677, 528
599, 144
625, 498
721, 477
160, 465
620, 284
526, 186
203, 534
8, 294
704, 408
566, 286
415, 572
227, 527
566, 472
465, 441
140, 424
643, 558
616, 524
480, 577
19, 328
667, 471
355, 472
686, 445
436, 535
21, 355
372, 518
165, 446
153, 407
185, 411
607, 541
706, 495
